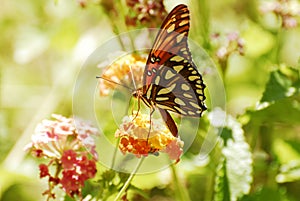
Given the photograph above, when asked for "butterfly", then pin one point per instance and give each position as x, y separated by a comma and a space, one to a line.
171, 81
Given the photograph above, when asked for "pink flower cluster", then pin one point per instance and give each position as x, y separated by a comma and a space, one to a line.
70, 148
75, 171
147, 13
287, 10
228, 45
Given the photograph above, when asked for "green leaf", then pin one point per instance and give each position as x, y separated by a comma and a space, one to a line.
289, 172
284, 151
25, 191
222, 192
294, 144
266, 193
282, 83
226, 135
276, 87
198, 183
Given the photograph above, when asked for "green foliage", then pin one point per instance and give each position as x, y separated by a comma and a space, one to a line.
15, 186
271, 128
20, 190
222, 191
266, 193
282, 84
198, 184
226, 135
289, 172
110, 184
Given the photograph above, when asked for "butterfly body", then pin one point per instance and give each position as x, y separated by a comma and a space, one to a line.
171, 81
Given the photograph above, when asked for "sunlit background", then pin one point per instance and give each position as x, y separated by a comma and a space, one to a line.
43, 45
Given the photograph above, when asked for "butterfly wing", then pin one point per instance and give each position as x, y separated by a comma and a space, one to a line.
171, 40
171, 80
179, 87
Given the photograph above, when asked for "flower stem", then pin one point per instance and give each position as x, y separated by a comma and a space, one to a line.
115, 154
50, 183
180, 190
127, 183
122, 13
278, 47
200, 11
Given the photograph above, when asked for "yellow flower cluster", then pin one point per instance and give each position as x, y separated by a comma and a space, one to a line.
123, 71
139, 138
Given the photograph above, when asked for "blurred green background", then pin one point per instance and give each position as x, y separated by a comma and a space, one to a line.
43, 45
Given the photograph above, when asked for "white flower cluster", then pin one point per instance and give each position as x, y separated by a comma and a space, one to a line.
238, 161
236, 152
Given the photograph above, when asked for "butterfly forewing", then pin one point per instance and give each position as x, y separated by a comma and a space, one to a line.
171, 40
171, 80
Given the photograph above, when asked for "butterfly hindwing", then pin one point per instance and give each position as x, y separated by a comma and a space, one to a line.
179, 87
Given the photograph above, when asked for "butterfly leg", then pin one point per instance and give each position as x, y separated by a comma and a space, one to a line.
150, 122
138, 110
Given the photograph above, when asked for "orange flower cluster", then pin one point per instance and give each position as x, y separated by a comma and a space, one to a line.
139, 138
126, 71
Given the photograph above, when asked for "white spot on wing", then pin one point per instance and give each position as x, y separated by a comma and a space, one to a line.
187, 95
177, 58
157, 79
193, 77
179, 101
183, 22
169, 74
184, 15
180, 110
185, 87
164, 98
199, 91
191, 113
171, 28
178, 68
179, 37
195, 105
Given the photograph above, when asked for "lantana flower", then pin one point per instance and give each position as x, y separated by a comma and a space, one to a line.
147, 13
70, 148
287, 10
126, 71
228, 45
139, 138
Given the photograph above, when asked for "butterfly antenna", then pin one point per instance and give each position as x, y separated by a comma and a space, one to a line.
132, 77
99, 77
